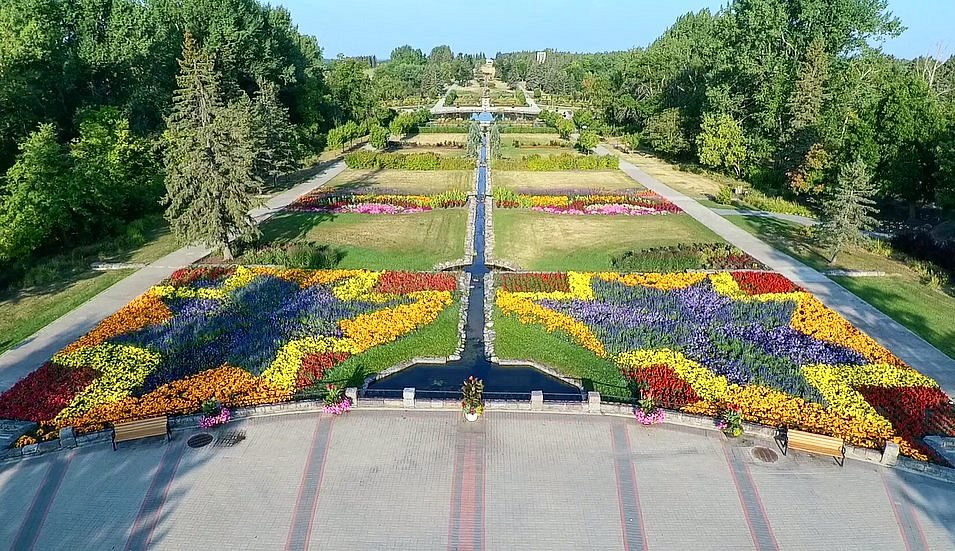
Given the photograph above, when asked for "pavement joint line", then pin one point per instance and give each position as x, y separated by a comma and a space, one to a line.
753, 511
466, 530
910, 529
29, 529
141, 532
633, 530
303, 515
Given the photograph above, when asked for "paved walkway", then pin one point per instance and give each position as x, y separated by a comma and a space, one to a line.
429, 480
902, 342
41, 346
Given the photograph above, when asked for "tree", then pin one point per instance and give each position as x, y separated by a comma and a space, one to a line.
847, 209
40, 194
378, 136
588, 140
583, 118
210, 182
945, 159
665, 133
721, 143
351, 90
494, 141
273, 134
475, 140
441, 55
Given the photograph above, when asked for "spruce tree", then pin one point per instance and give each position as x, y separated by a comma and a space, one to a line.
475, 138
494, 141
210, 156
847, 209
273, 134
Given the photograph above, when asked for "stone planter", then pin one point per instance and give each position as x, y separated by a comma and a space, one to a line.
471, 416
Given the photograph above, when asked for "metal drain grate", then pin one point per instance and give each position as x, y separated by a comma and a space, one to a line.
199, 440
229, 439
765, 455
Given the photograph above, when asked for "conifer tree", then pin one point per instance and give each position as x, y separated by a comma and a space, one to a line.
273, 134
210, 156
494, 141
475, 138
847, 209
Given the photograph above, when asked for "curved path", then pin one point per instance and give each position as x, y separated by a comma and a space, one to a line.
42, 345
429, 480
897, 338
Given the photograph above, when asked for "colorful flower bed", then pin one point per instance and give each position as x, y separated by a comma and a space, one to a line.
364, 203
631, 204
241, 336
706, 343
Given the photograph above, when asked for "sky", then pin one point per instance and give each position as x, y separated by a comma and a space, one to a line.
375, 27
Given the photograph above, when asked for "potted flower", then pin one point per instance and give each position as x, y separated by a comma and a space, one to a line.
647, 412
214, 414
336, 402
472, 401
730, 421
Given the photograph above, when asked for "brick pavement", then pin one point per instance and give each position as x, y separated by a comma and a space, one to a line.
429, 480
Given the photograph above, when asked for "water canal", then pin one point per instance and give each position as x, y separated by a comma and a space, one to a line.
444, 380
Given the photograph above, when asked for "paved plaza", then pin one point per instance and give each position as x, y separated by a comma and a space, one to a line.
429, 480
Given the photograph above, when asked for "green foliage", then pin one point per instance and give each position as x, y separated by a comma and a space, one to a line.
450, 97
304, 255
847, 209
520, 129
686, 256
406, 161
273, 134
472, 147
721, 144
588, 140
210, 155
630, 141
472, 395
563, 161
351, 89
406, 122
494, 141
378, 136
665, 133
554, 120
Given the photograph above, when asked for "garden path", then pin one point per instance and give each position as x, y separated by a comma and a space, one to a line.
42, 345
902, 342
429, 480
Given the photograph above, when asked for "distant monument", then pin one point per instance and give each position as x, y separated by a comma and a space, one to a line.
541, 57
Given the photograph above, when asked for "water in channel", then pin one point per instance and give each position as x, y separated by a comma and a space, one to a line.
444, 380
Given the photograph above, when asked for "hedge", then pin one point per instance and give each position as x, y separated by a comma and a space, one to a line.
449, 129
406, 161
563, 161
514, 129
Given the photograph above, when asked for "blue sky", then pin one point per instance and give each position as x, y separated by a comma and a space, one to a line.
364, 27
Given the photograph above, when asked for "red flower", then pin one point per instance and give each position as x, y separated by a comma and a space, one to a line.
759, 283
401, 283
41, 395
915, 412
315, 366
662, 384
535, 283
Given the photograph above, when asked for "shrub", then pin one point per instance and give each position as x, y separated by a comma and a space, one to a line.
920, 245
687, 256
295, 255
406, 161
563, 161
757, 200
724, 196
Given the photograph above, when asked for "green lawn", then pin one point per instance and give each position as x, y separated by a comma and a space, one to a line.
530, 181
516, 341
928, 313
901, 296
402, 181
554, 242
439, 339
414, 241
69, 282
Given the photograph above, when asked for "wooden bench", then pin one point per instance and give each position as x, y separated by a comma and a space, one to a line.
140, 428
812, 443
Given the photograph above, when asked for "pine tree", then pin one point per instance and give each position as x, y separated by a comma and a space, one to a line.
210, 155
847, 209
475, 138
494, 141
273, 134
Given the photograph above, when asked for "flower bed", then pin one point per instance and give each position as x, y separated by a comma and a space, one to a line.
364, 203
631, 204
241, 336
705, 343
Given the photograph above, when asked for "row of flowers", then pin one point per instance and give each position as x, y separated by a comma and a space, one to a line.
367, 203
631, 204
751, 341
241, 336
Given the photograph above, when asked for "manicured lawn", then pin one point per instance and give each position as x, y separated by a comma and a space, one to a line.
901, 296
564, 180
698, 186
515, 341
439, 339
429, 138
415, 241
928, 313
540, 241
26, 310
533, 139
511, 152
403, 181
